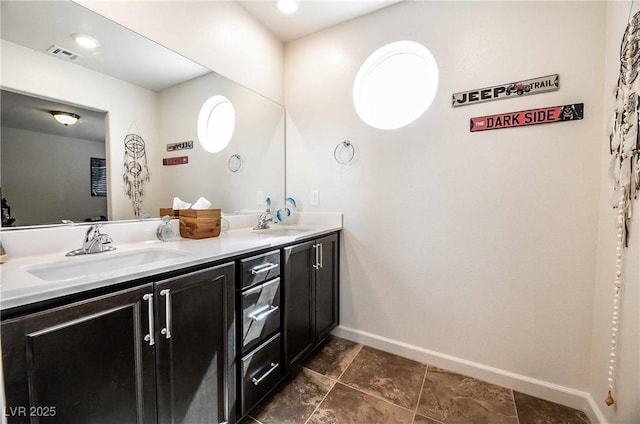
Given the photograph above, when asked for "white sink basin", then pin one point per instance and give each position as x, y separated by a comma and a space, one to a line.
100, 264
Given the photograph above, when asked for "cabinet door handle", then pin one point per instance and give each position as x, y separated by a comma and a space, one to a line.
149, 337
321, 254
167, 313
261, 314
263, 268
316, 265
257, 381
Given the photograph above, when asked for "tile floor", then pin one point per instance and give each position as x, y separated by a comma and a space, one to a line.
345, 382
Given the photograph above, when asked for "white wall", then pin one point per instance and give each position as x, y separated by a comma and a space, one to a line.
627, 393
31, 72
220, 35
474, 247
48, 177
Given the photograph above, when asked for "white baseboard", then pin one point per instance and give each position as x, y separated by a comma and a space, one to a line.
542, 389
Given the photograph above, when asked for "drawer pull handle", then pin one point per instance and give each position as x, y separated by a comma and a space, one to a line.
261, 314
167, 310
263, 268
257, 381
149, 337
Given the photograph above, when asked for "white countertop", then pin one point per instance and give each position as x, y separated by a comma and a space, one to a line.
18, 287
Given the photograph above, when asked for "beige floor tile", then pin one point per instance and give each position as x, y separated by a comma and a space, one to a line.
345, 405
385, 375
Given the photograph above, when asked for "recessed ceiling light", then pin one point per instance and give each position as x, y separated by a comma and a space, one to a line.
85, 41
65, 118
288, 6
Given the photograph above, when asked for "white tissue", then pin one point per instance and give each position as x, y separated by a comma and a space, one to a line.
180, 204
201, 203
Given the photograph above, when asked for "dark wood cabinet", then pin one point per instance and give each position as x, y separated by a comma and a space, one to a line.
87, 362
299, 317
311, 295
192, 348
194, 354
160, 352
326, 288
259, 350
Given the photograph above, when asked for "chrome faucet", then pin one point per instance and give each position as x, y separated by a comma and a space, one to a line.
94, 242
263, 221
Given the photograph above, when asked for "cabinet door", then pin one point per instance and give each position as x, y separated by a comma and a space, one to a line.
299, 324
195, 344
326, 289
87, 362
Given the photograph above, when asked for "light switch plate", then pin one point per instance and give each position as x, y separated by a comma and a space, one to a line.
315, 198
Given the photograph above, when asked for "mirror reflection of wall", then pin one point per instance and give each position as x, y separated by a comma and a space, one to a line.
134, 79
45, 166
257, 139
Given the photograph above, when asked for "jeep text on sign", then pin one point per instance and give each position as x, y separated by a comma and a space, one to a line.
510, 90
522, 118
180, 146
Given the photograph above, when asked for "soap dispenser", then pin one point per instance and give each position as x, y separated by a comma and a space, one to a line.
164, 231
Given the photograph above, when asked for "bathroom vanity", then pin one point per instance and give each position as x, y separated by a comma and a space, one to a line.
198, 337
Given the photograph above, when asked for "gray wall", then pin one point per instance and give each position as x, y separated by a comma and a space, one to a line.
46, 177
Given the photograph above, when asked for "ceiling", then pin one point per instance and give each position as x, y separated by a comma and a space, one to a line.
311, 16
122, 54
38, 25
33, 114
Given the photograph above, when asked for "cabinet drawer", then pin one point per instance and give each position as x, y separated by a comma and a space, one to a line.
258, 269
261, 372
260, 313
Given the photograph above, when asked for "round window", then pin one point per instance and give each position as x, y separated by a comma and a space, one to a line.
395, 85
216, 122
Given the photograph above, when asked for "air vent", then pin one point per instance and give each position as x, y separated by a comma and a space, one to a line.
63, 53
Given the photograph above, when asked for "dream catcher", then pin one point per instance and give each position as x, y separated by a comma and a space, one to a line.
624, 169
136, 171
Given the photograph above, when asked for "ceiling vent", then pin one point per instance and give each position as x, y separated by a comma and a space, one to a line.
63, 53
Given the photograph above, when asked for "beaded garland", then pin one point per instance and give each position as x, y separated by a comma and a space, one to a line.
624, 170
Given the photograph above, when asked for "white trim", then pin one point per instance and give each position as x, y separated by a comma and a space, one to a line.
539, 388
595, 414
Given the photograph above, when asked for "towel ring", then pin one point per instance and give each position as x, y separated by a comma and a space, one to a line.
234, 163
345, 149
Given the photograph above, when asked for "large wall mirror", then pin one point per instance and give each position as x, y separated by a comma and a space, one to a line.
126, 85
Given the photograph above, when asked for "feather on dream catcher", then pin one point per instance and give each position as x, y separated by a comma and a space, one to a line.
136, 172
624, 169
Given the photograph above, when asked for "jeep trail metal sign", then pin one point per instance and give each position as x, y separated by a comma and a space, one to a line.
505, 91
522, 118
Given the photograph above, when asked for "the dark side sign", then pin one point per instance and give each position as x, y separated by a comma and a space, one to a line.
510, 90
528, 117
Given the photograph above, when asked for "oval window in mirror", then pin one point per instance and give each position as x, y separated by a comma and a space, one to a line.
216, 122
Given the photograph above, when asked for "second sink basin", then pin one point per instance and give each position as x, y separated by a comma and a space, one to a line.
283, 231
100, 263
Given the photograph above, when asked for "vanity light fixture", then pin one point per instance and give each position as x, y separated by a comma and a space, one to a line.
288, 6
65, 118
85, 41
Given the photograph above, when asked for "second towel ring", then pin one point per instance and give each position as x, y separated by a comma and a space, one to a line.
234, 163
344, 152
